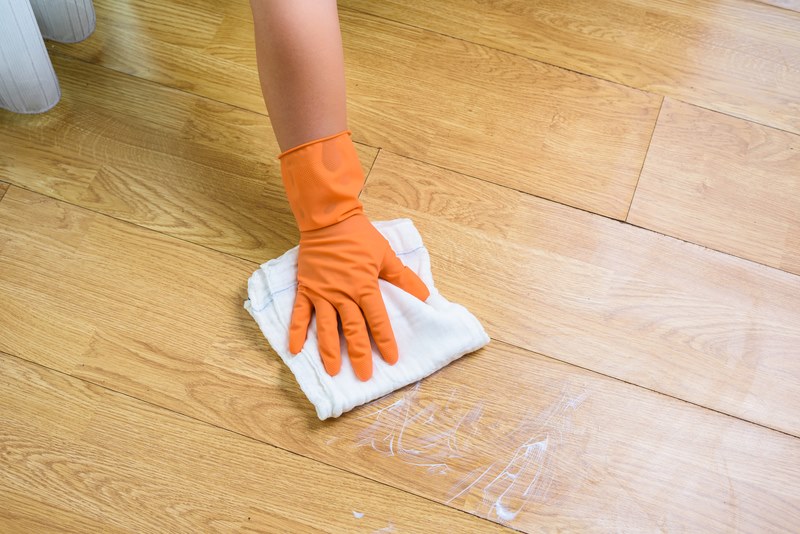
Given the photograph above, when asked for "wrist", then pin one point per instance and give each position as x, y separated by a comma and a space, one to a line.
323, 179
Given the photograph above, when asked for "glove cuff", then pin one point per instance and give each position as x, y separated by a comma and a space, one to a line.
322, 179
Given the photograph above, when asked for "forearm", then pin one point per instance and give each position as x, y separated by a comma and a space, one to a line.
301, 68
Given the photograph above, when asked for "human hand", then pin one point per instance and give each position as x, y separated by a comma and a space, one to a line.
338, 268
341, 257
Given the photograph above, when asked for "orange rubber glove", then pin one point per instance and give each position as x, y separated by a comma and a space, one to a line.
341, 256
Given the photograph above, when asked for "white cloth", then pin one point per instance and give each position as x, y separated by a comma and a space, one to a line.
429, 334
28, 83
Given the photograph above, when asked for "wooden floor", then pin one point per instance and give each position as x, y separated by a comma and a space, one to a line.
612, 187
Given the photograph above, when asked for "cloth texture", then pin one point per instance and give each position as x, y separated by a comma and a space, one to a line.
429, 334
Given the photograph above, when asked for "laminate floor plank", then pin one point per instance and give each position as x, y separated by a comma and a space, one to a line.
738, 57
634, 381
22, 513
177, 163
165, 42
724, 183
128, 466
793, 5
161, 320
497, 116
668, 315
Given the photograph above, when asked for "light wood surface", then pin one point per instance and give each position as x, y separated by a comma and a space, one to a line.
105, 461
793, 5
24, 513
735, 56
634, 382
489, 114
670, 316
164, 42
161, 320
199, 170
724, 183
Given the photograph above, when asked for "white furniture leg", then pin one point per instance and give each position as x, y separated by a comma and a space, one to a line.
28, 83
65, 21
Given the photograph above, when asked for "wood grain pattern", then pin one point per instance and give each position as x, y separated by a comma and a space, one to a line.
490, 114
671, 316
164, 42
22, 513
724, 183
135, 467
734, 56
177, 163
793, 5
141, 204
165, 22
166, 325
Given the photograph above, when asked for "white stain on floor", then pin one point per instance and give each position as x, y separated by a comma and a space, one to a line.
424, 436
453, 442
385, 530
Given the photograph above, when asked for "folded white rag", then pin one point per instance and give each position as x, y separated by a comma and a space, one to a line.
429, 334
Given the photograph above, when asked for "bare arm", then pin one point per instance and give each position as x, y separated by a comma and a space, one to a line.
341, 254
301, 67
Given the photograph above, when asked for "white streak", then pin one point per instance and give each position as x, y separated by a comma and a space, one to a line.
422, 434
466, 489
387, 529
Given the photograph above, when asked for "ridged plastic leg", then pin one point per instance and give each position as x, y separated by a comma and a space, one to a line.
28, 83
65, 21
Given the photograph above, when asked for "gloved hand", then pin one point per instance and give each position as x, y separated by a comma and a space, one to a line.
341, 257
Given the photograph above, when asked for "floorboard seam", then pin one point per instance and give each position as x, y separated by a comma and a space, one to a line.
782, 8
607, 217
371, 166
755, 262
250, 438
137, 225
644, 159
634, 384
553, 65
